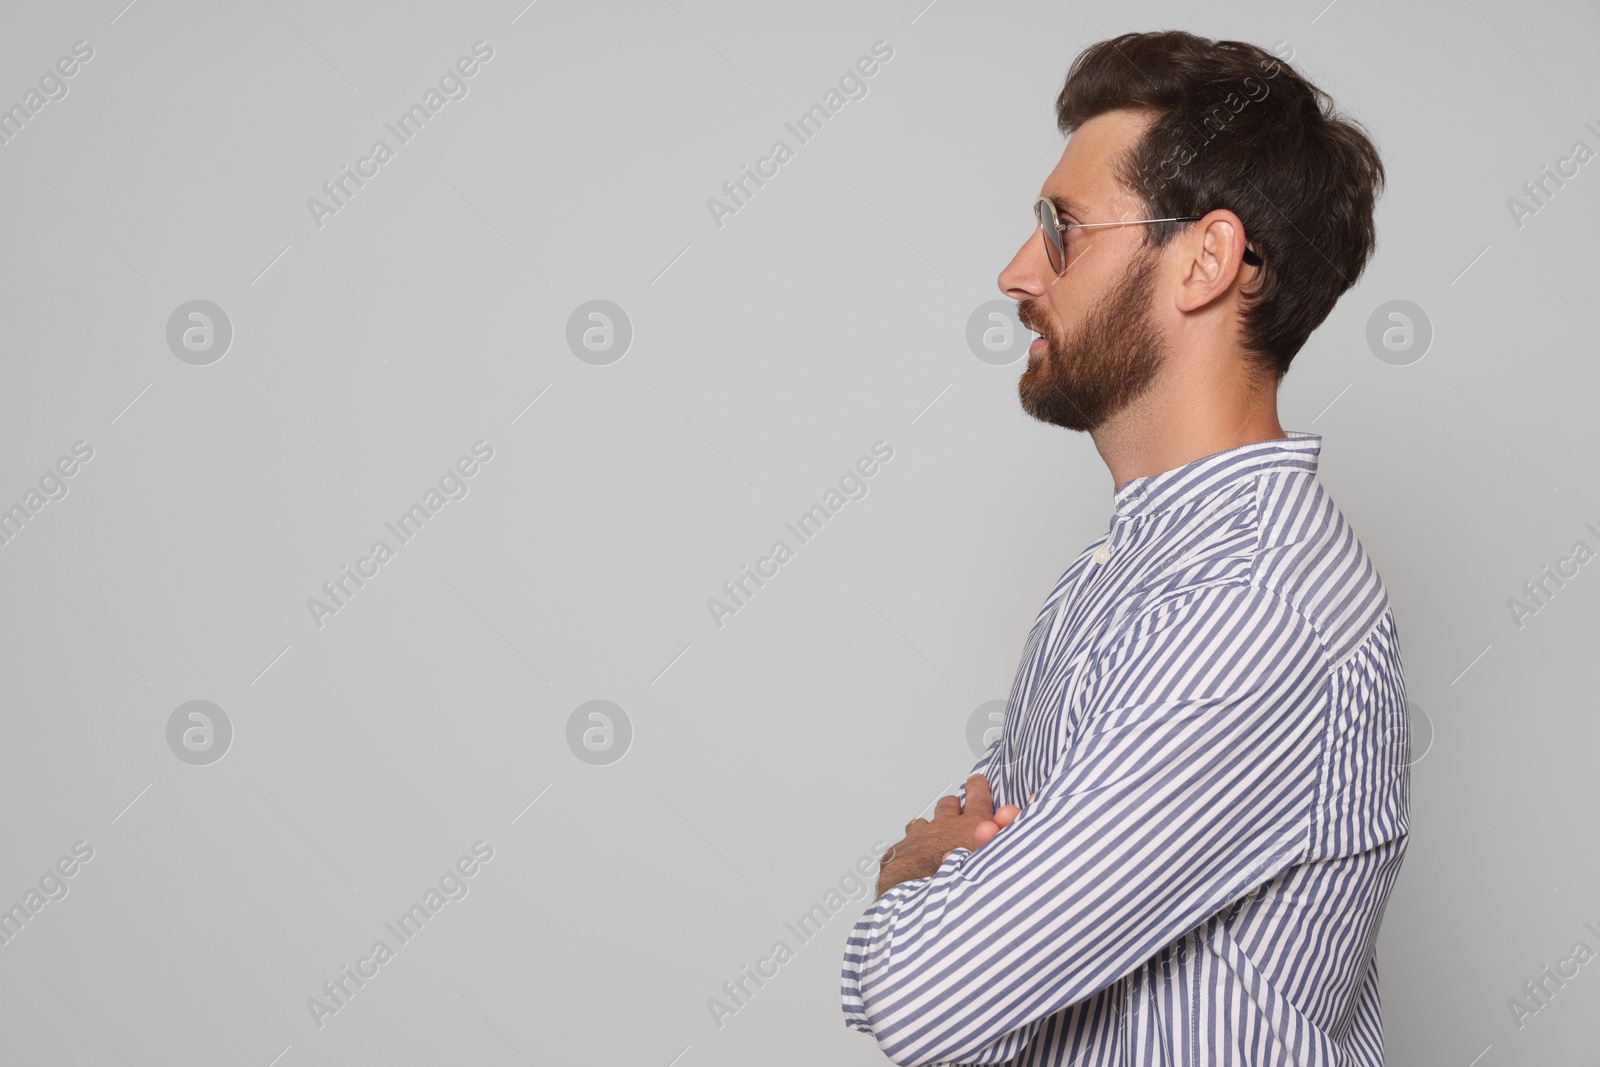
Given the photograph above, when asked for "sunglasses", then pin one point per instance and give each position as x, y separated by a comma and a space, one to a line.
1053, 232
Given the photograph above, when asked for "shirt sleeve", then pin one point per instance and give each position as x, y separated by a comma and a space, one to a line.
1189, 780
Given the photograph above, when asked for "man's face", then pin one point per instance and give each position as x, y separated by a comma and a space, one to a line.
1101, 347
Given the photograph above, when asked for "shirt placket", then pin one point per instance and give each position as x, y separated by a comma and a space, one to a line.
1115, 543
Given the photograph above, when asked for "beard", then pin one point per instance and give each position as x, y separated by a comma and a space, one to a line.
1084, 378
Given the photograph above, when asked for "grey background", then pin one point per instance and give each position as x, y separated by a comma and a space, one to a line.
767, 356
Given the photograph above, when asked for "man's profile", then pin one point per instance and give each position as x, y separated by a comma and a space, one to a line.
1180, 848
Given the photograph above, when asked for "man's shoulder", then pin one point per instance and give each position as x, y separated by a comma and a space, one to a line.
1279, 536
1308, 554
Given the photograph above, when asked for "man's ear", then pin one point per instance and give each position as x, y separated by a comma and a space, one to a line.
1214, 254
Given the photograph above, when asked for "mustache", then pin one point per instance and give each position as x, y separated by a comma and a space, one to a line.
1029, 318
1034, 319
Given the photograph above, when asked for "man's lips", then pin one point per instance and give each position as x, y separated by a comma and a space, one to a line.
1039, 345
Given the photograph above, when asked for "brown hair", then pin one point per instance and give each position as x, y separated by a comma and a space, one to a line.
1235, 127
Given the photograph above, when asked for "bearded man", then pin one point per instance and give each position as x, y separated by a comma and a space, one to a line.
1180, 847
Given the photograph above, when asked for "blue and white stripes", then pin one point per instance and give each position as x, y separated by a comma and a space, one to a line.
1212, 710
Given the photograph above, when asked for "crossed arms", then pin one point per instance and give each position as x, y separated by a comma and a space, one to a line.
1191, 779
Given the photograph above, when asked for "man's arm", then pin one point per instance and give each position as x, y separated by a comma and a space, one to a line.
1190, 781
969, 821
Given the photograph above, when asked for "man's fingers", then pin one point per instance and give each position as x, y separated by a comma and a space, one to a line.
914, 823
986, 830
979, 800
948, 807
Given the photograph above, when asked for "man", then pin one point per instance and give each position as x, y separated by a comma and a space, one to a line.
1201, 780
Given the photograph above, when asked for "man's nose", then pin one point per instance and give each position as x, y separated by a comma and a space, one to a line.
1027, 274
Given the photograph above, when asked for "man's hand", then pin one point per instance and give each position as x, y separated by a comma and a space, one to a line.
926, 844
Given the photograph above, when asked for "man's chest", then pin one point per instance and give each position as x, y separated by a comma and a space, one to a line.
1045, 704
1114, 583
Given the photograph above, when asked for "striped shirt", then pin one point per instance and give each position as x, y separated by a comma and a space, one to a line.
1212, 710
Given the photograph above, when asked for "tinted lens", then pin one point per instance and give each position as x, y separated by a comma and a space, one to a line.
1050, 233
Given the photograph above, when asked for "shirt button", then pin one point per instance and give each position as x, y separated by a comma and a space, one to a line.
1102, 554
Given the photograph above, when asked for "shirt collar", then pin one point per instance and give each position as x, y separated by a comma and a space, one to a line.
1201, 477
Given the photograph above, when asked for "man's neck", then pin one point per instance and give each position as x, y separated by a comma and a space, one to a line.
1152, 438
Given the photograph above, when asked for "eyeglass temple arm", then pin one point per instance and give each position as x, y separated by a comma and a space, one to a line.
1250, 256
1132, 222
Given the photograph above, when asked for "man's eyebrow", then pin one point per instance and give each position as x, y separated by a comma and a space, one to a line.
1065, 205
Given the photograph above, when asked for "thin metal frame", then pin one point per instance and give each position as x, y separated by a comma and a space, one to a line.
1061, 228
